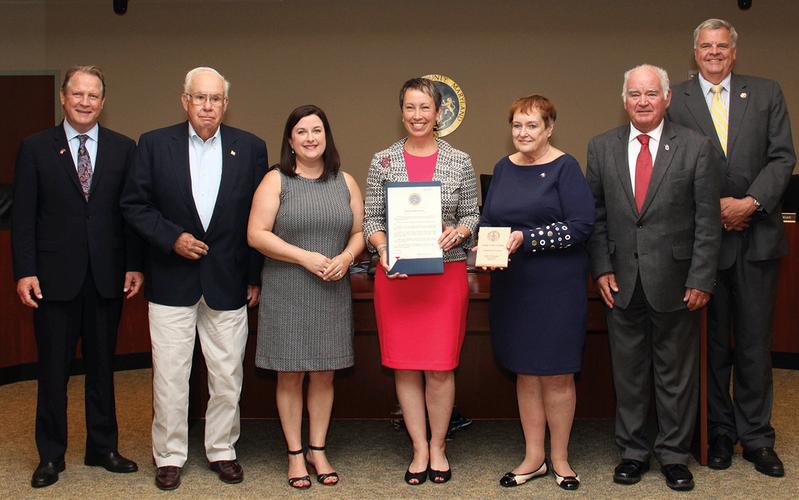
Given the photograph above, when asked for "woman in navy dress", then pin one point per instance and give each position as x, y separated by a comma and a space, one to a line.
538, 304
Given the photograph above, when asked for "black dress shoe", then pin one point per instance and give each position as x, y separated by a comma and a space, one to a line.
678, 477
766, 461
111, 461
719, 456
46, 473
629, 471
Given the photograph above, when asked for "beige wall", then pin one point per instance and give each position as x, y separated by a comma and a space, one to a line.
351, 56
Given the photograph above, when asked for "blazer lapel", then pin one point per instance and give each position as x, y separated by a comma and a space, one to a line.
665, 154
697, 105
179, 153
399, 172
738, 103
102, 151
443, 160
61, 148
622, 165
230, 170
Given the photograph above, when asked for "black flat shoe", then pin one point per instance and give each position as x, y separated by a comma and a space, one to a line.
766, 461
509, 480
419, 477
570, 483
629, 471
321, 478
46, 473
294, 480
719, 454
440, 476
678, 477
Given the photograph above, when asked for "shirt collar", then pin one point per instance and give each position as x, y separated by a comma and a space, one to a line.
653, 134
706, 85
211, 140
72, 133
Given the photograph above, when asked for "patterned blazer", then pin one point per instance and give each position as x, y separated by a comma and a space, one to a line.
458, 191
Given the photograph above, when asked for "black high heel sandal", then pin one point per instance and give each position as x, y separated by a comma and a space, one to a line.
294, 480
321, 477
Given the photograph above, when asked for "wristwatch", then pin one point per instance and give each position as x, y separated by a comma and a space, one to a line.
757, 203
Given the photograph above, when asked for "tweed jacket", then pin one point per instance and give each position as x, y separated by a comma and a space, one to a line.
458, 191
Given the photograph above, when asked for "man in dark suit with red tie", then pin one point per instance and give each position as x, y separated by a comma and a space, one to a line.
747, 122
653, 254
74, 259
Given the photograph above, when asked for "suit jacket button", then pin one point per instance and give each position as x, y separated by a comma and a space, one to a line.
639, 226
635, 254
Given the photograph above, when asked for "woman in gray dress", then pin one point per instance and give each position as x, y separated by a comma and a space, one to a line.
307, 219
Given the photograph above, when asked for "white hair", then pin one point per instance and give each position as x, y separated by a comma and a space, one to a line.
660, 72
203, 69
716, 24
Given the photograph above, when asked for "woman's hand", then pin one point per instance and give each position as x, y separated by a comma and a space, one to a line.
337, 268
383, 254
515, 240
316, 264
452, 237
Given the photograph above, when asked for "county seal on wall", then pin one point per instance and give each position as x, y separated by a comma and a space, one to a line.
453, 104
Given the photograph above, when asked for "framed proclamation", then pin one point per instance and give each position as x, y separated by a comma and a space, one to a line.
413, 226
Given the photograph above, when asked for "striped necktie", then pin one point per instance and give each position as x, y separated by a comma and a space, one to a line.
719, 114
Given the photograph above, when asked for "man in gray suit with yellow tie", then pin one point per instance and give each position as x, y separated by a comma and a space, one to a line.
653, 254
747, 121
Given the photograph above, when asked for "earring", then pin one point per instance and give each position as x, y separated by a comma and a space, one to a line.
292, 151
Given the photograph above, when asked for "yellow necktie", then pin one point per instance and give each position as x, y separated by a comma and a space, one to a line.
719, 114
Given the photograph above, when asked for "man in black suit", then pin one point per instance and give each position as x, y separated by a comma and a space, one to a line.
74, 258
747, 121
189, 196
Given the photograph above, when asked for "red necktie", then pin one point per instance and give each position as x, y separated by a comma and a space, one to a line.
643, 171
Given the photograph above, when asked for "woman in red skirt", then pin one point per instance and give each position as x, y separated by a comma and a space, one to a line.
421, 319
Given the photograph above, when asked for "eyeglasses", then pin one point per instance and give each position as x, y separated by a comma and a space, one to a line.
200, 99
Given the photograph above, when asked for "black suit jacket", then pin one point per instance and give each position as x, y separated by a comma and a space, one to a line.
159, 204
56, 234
759, 161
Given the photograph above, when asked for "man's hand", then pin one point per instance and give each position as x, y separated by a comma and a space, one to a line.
133, 283
189, 247
607, 286
695, 299
27, 288
735, 213
253, 295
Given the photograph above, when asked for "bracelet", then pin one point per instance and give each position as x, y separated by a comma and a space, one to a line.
381, 247
351, 256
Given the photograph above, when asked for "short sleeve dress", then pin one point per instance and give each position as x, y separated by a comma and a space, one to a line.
538, 305
305, 323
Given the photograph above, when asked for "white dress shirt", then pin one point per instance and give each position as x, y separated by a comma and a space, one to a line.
74, 143
205, 167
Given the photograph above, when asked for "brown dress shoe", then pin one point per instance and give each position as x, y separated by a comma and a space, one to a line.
167, 477
229, 471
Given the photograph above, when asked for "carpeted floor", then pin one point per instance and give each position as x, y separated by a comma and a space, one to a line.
370, 457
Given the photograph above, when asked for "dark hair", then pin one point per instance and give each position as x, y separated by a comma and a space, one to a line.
288, 163
423, 85
89, 69
529, 103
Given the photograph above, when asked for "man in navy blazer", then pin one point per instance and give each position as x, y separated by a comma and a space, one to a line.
74, 259
748, 124
189, 197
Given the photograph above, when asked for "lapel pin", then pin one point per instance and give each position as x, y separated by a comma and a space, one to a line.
62, 151
232, 152
543, 174
743, 95
666, 147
